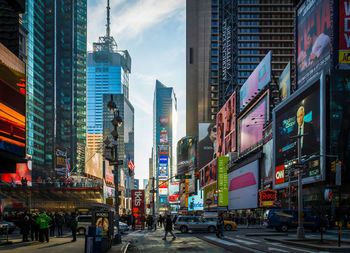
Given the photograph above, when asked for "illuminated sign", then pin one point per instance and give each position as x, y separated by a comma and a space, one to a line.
163, 121
279, 174
267, 197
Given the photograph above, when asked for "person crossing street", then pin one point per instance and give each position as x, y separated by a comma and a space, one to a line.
168, 227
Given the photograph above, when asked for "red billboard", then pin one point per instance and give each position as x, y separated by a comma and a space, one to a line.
22, 173
138, 205
344, 32
313, 38
226, 127
12, 103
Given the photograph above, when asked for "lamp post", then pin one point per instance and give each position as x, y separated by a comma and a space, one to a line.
117, 121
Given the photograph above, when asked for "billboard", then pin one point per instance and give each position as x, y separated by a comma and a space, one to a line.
163, 166
195, 203
344, 34
22, 171
267, 163
251, 125
256, 82
163, 148
284, 83
61, 161
300, 114
313, 38
210, 199
186, 154
93, 165
226, 127
208, 174
223, 180
243, 187
163, 121
206, 143
138, 205
163, 136
12, 103
109, 176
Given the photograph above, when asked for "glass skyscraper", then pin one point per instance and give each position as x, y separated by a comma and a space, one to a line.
164, 138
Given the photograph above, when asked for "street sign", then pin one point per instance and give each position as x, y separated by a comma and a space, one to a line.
119, 162
183, 176
299, 166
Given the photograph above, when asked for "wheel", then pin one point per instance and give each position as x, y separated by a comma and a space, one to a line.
81, 231
211, 229
183, 229
228, 227
284, 228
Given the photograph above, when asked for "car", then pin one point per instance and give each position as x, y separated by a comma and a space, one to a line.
228, 224
284, 219
83, 222
123, 227
193, 223
11, 226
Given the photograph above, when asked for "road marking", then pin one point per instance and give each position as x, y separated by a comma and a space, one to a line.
276, 249
244, 242
248, 239
211, 238
289, 247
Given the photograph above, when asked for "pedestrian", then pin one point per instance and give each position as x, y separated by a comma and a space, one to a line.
59, 222
150, 222
160, 220
34, 228
43, 221
220, 226
73, 226
174, 219
133, 221
155, 222
168, 227
52, 225
142, 219
25, 228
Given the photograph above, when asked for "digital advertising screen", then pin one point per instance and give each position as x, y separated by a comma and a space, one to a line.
243, 187
223, 180
313, 38
268, 162
206, 143
163, 137
195, 203
22, 171
344, 34
299, 116
109, 176
210, 196
61, 161
256, 82
226, 127
251, 125
12, 103
284, 83
163, 121
208, 174
94, 164
186, 154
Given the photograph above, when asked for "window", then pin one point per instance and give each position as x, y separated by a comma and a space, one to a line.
191, 55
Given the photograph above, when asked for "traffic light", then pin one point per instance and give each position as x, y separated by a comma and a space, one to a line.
333, 166
148, 206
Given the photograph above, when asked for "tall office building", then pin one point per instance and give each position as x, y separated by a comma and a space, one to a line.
164, 138
65, 81
202, 63
107, 73
33, 21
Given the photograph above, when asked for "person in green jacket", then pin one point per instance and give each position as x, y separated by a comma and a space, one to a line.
43, 221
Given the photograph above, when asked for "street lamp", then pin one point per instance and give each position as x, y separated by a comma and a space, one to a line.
117, 121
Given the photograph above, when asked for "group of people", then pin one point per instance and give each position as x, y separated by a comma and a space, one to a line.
42, 226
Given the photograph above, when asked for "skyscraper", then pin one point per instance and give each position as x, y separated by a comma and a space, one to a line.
65, 81
164, 137
202, 63
107, 73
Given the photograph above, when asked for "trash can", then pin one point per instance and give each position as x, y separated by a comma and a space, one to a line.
93, 239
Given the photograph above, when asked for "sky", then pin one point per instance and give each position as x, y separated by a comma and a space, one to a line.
153, 32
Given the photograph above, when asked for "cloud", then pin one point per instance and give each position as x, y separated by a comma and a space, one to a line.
140, 103
134, 19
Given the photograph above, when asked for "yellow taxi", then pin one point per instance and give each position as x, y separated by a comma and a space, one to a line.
228, 224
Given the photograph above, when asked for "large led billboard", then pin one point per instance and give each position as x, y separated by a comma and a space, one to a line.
61, 161
94, 164
223, 180
206, 143
208, 174
243, 187
256, 82
109, 176
284, 83
22, 172
186, 154
226, 127
313, 38
298, 115
344, 34
12, 103
251, 125
163, 166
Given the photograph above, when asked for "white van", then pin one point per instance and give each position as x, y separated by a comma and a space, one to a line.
83, 222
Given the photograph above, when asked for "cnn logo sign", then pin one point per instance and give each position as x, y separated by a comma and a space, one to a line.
279, 174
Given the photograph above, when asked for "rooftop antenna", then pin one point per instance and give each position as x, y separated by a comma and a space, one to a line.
108, 20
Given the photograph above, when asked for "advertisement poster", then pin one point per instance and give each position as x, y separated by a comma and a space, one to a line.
163, 137
284, 83
210, 196
223, 180
313, 38
94, 164
186, 154
243, 187
206, 143
138, 205
163, 121
174, 192
268, 162
163, 166
195, 203
226, 127
344, 34
109, 176
256, 82
301, 115
163, 149
61, 161
208, 174
12, 103
22, 172
251, 125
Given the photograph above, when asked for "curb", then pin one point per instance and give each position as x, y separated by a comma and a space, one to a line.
267, 234
307, 246
125, 248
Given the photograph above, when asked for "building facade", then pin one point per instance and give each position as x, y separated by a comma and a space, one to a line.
202, 63
164, 138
